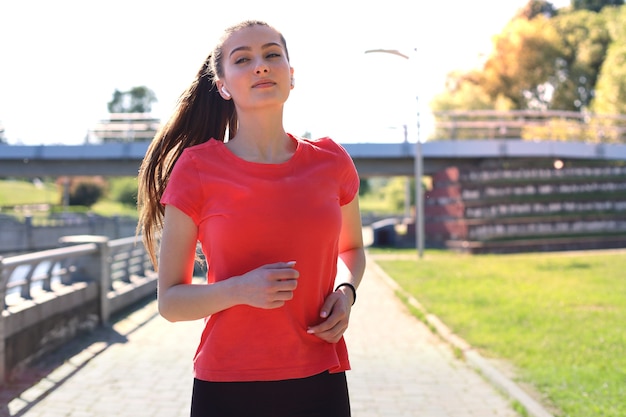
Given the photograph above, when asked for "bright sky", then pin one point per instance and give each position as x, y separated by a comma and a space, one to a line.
60, 61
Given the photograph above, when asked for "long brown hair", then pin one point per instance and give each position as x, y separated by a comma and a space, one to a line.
201, 114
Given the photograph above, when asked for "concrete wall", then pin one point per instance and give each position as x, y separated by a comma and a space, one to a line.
39, 326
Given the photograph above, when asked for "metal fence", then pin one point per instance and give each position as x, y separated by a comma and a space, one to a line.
530, 125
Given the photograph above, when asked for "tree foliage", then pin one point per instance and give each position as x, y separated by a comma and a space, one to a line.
610, 97
129, 119
364, 186
595, 5
546, 59
135, 100
86, 191
465, 92
394, 192
584, 41
535, 8
124, 190
523, 64
3, 140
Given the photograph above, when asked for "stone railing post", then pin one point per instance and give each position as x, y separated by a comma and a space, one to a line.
105, 280
100, 265
29, 232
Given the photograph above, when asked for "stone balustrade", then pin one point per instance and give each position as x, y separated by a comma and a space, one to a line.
49, 297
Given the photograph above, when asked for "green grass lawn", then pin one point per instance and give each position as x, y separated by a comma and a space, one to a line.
14, 192
374, 203
19, 192
559, 318
110, 208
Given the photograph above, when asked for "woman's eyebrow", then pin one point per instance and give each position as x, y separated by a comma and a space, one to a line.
247, 48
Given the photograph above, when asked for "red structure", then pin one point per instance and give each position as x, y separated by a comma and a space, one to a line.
519, 209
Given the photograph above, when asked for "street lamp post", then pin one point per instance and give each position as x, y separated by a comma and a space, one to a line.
418, 167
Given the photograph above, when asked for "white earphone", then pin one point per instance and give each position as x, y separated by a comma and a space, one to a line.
225, 91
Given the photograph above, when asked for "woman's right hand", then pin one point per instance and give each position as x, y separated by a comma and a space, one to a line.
268, 286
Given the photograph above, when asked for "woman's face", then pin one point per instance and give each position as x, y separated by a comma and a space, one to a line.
256, 68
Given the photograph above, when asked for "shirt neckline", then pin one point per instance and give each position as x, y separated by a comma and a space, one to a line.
221, 146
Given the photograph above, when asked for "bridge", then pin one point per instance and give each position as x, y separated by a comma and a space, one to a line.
460, 139
371, 159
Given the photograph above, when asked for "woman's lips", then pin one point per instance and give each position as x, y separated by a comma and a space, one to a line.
263, 84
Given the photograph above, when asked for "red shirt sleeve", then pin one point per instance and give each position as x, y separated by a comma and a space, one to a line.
182, 189
349, 177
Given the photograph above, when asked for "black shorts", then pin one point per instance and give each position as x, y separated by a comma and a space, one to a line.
323, 395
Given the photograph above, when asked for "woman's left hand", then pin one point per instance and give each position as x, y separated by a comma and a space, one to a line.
336, 311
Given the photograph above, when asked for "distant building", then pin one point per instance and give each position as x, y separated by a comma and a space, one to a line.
126, 127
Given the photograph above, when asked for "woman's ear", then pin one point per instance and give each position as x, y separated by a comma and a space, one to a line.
223, 91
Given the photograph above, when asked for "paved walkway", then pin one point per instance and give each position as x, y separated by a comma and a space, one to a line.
141, 366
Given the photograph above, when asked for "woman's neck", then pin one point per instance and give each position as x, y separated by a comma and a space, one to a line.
262, 138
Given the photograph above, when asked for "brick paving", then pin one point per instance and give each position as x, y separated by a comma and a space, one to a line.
141, 366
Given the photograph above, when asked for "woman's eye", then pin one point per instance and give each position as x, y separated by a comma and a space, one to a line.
273, 55
241, 60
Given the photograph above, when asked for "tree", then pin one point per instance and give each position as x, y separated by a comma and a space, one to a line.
595, 5
3, 140
394, 193
124, 190
611, 88
135, 100
584, 42
610, 95
536, 8
523, 64
86, 191
573, 60
463, 91
130, 119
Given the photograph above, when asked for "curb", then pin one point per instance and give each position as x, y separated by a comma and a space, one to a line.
471, 356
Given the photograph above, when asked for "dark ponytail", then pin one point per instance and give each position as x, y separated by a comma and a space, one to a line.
201, 114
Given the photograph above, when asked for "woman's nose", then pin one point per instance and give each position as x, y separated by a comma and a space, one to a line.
261, 67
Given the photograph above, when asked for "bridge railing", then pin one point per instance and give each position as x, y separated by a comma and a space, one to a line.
47, 297
530, 125
24, 274
32, 233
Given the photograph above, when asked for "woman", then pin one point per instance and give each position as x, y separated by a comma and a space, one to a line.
278, 221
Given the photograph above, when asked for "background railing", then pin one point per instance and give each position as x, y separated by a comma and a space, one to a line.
530, 125
35, 233
48, 297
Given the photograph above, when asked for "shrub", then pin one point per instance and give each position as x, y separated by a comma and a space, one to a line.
86, 191
124, 190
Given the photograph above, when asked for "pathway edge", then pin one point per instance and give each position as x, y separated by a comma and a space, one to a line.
470, 355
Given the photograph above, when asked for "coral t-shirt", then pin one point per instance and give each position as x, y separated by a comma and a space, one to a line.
251, 214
